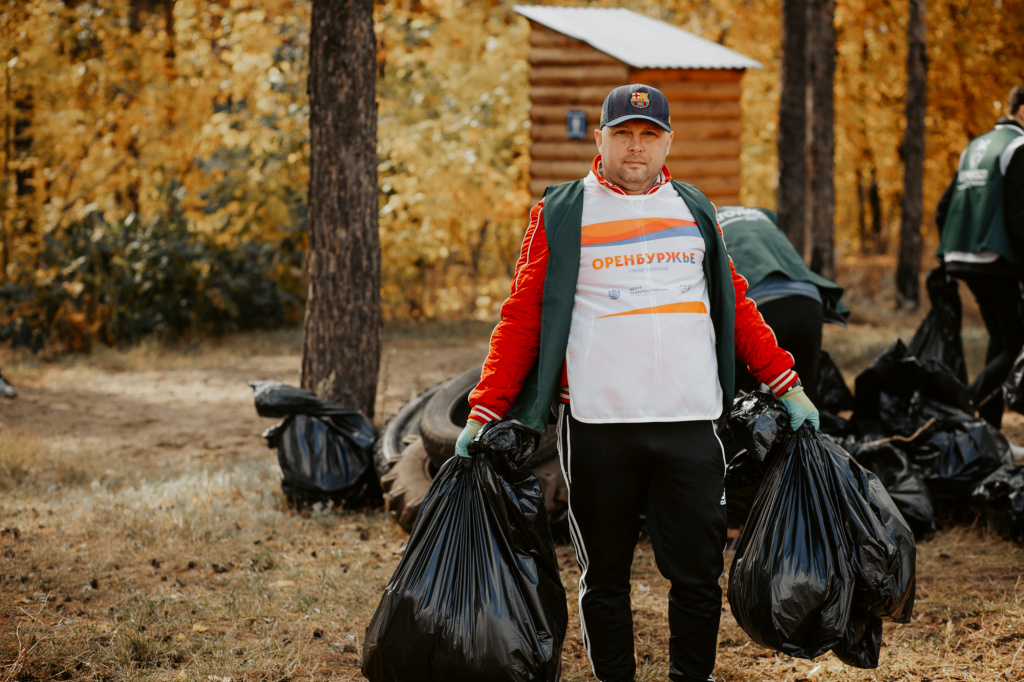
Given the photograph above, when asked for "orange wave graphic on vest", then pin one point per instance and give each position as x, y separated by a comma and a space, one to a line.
683, 307
618, 230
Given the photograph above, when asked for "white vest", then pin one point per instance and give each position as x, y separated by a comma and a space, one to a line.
642, 343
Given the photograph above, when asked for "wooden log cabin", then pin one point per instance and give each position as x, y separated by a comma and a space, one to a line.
578, 54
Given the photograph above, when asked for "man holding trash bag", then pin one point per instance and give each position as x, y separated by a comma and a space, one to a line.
624, 317
793, 299
981, 220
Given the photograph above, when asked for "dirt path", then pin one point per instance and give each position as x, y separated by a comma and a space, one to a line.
180, 412
205, 409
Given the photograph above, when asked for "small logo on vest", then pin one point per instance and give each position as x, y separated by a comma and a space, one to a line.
614, 294
683, 288
640, 100
978, 153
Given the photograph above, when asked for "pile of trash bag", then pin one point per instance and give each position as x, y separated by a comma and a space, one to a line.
1013, 388
833, 395
1000, 500
325, 451
477, 594
909, 420
902, 480
938, 336
923, 413
825, 554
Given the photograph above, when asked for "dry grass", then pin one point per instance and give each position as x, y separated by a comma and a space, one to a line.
130, 556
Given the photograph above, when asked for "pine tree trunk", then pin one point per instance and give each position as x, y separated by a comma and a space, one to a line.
341, 350
822, 69
791, 196
908, 268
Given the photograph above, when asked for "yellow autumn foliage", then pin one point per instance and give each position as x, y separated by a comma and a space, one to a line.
112, 111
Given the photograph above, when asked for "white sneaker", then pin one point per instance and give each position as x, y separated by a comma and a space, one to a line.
6, 390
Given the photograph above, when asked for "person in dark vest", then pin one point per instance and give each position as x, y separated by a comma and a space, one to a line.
623, 321
793, 299
981, 223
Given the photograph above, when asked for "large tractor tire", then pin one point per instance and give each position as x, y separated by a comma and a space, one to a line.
421, 437
406, 484
398, 432
445, 413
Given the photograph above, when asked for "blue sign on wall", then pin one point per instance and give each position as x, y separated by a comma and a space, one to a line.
576, 124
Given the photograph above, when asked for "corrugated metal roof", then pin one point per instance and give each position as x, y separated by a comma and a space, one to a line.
637, 40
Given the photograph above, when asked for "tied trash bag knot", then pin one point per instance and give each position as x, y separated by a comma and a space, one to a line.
507, 446
757, 421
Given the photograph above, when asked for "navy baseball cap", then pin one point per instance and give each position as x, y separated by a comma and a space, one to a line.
628, 102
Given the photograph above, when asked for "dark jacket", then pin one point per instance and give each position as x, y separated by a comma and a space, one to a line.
1013, 212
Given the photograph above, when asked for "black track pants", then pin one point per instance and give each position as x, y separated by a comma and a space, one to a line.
674, 472
999, 300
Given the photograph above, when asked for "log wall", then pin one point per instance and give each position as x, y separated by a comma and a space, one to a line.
569, 74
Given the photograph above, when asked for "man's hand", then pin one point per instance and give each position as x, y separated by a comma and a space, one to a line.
800, 408
472, 428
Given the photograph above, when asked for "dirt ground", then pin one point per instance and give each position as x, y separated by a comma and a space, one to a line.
147, 472
166, 413
198, 408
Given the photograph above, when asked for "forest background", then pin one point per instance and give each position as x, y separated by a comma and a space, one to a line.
155, 153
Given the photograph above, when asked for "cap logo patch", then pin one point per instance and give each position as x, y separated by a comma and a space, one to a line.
640, 100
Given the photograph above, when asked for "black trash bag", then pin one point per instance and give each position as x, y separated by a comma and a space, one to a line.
938, 336
477, 595
899, 374
823, 542
882, 548
956, 452
1000, 498
832, 424
833, 395
757, 420
743, 476
902, 481
862, 641
791, 582
1013, 387
325, 450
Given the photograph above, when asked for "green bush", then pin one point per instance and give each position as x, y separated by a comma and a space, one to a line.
119, 282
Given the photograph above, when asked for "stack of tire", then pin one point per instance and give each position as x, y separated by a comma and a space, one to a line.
421, 436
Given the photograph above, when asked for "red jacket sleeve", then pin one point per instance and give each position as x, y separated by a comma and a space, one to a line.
515, 341
756, 346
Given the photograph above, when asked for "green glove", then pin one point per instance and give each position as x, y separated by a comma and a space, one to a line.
462, 442
800, 408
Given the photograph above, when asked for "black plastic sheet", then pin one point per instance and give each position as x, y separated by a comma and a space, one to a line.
325, 451
897, 374
824, 556
833, 395
862, 640
477, 595
902, 481
1013, 387
832, 424
743, 476
956, 451
938, 336
1000, 498
881, 543
791, 582
757, 420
